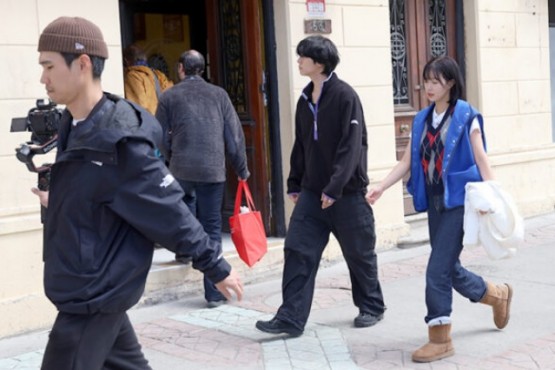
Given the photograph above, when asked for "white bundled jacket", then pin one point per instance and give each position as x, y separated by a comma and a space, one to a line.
501, 229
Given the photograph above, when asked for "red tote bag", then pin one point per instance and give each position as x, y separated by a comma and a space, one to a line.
247, 229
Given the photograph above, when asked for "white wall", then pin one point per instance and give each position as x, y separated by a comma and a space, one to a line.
552, 73
508, 78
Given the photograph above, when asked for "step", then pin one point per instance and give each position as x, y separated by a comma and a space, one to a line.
418, 234
171, 280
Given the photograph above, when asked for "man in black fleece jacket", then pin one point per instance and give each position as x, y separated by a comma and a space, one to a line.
327, 182
201, 129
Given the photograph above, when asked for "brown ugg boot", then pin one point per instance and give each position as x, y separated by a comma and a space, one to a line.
439, 346
499, 298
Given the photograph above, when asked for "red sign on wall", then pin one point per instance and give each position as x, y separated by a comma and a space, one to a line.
316, 7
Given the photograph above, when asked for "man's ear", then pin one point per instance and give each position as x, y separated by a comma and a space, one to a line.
320, 65
181, 71
84, 62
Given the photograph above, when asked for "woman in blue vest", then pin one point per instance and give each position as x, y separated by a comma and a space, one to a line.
447, 149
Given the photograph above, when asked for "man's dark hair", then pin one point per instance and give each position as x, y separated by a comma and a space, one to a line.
97, 63
192, 62
133, 54
321, 50
447, 68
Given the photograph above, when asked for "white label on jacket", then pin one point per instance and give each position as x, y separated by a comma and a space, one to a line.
168, 179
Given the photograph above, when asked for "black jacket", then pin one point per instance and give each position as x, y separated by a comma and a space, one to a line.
110, 199
330, 149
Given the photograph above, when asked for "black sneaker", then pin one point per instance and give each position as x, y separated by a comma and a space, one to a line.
364, 320
214, 304
277, 326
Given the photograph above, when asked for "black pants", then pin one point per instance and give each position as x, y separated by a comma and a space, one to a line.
93, 342
204, 200
351, 221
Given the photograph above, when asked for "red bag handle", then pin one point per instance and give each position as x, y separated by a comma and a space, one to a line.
243, 187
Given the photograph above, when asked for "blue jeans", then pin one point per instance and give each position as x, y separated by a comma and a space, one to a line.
204, 200
445, 272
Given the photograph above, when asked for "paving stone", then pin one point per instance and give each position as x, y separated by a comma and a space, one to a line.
226, 338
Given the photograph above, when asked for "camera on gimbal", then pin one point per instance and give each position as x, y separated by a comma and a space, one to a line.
42, 121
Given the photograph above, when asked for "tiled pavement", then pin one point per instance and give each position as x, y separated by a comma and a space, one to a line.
184, 335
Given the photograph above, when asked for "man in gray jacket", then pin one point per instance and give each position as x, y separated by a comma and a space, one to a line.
201, 129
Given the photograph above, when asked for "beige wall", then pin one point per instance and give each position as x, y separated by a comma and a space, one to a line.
508, 80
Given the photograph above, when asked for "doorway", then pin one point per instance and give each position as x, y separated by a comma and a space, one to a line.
236, 38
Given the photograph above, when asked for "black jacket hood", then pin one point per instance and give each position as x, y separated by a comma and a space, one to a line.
110, 121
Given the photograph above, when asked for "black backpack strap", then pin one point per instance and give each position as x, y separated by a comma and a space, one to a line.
157, 84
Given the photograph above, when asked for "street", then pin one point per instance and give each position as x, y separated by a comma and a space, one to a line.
185, 335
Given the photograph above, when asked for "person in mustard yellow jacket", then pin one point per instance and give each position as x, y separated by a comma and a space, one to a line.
143, 84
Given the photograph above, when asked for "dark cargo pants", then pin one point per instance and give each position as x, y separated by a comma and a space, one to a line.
351, 221
93, 342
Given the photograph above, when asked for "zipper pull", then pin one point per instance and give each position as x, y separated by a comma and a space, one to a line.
315, 130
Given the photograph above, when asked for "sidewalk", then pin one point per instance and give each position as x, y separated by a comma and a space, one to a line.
184, 335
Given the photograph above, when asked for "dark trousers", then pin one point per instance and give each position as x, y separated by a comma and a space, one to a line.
204, 200
93, 342
351, 221
444, 271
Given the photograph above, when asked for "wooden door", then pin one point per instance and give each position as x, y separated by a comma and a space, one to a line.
230, 35
236, 50
420, 30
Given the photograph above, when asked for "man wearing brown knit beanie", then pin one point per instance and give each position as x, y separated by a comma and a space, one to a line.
104, 186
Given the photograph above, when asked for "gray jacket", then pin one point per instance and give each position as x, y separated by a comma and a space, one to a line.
201, 128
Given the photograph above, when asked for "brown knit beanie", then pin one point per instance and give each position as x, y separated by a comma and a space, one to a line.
73, 35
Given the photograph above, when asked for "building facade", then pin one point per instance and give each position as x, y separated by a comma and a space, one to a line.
503, 46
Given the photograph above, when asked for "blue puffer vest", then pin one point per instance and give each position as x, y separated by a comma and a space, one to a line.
459, 166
